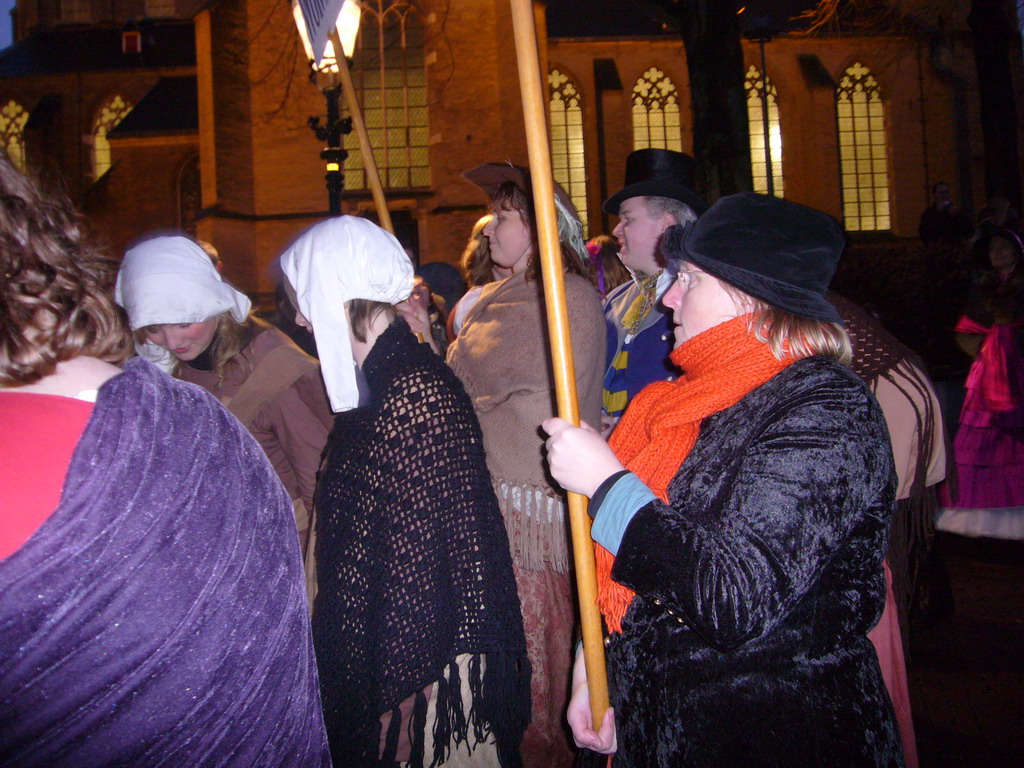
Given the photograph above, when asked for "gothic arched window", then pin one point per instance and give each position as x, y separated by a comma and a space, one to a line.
756, 90
12, 132
863, 155
389, 73
107, 118
656, 112
567, 160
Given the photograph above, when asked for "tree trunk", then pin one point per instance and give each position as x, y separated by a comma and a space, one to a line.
996, 43
721, 144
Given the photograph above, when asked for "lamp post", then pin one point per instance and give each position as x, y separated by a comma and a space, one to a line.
325, 71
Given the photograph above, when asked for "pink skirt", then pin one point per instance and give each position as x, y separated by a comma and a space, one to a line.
889, 647
989, 456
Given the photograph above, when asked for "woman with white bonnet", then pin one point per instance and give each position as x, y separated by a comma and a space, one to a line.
151, 595
416, 622
194, 325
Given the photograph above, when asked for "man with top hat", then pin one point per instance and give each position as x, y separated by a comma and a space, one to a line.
658, 193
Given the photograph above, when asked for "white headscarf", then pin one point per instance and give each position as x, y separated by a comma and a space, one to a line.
170, 279
336, 260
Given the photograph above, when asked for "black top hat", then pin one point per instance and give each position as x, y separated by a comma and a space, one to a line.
657, 173
780, 252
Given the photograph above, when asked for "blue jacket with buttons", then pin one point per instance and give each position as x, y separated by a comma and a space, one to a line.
647, 357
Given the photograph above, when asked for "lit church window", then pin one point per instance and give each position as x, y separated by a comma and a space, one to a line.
863, 156
389, 73
567, 140
656, 112
12, 132
107, 118
756, 90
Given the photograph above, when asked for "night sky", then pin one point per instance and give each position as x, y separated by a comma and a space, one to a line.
5, 22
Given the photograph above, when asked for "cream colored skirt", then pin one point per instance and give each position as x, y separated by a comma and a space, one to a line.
468, 754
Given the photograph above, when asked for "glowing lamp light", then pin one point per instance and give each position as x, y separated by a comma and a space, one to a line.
347, 25
330, 73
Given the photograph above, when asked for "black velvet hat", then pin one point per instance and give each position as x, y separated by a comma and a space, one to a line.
780, 252
657, 173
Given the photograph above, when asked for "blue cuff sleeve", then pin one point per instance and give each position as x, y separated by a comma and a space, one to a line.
621, 501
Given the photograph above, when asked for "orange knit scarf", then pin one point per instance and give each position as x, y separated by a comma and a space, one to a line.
661, 425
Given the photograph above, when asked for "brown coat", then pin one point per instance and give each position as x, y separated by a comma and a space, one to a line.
503, 359
292, 427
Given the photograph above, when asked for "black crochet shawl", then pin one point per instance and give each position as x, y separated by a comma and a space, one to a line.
414, 567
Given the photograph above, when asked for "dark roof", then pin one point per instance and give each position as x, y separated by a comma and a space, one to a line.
171, 106
601, 18
648, 18
58, 50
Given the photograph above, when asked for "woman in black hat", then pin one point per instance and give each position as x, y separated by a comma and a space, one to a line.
741, 516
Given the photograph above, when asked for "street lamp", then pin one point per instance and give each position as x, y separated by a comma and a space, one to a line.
326, 73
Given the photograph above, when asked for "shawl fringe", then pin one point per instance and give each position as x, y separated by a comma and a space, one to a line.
499, 685
536, 525
505, 682
913, 523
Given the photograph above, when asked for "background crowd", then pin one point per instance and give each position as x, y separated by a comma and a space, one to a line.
765, 462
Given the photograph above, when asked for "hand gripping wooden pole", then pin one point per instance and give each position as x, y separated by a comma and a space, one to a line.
535, 115
356, 113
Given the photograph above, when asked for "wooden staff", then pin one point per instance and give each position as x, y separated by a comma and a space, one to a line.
535, 115
369, 163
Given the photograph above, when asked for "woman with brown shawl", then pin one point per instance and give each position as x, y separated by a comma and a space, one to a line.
502, 358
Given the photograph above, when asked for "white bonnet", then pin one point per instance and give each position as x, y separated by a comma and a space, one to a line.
339, 259
170, 279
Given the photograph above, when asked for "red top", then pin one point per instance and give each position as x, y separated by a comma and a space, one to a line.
39, 436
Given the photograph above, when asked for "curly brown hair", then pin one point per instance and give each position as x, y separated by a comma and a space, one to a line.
511, 197
56, 287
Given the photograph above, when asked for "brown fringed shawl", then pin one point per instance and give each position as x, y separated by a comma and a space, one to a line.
501, 355
877, 354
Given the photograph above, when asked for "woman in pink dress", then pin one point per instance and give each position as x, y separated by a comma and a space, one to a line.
989, 446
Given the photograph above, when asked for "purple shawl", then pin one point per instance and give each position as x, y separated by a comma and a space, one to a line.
159, 617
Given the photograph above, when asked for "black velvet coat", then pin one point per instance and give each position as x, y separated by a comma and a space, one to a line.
757, 585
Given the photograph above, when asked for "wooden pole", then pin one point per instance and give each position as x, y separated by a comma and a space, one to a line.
354, 111
535, 114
